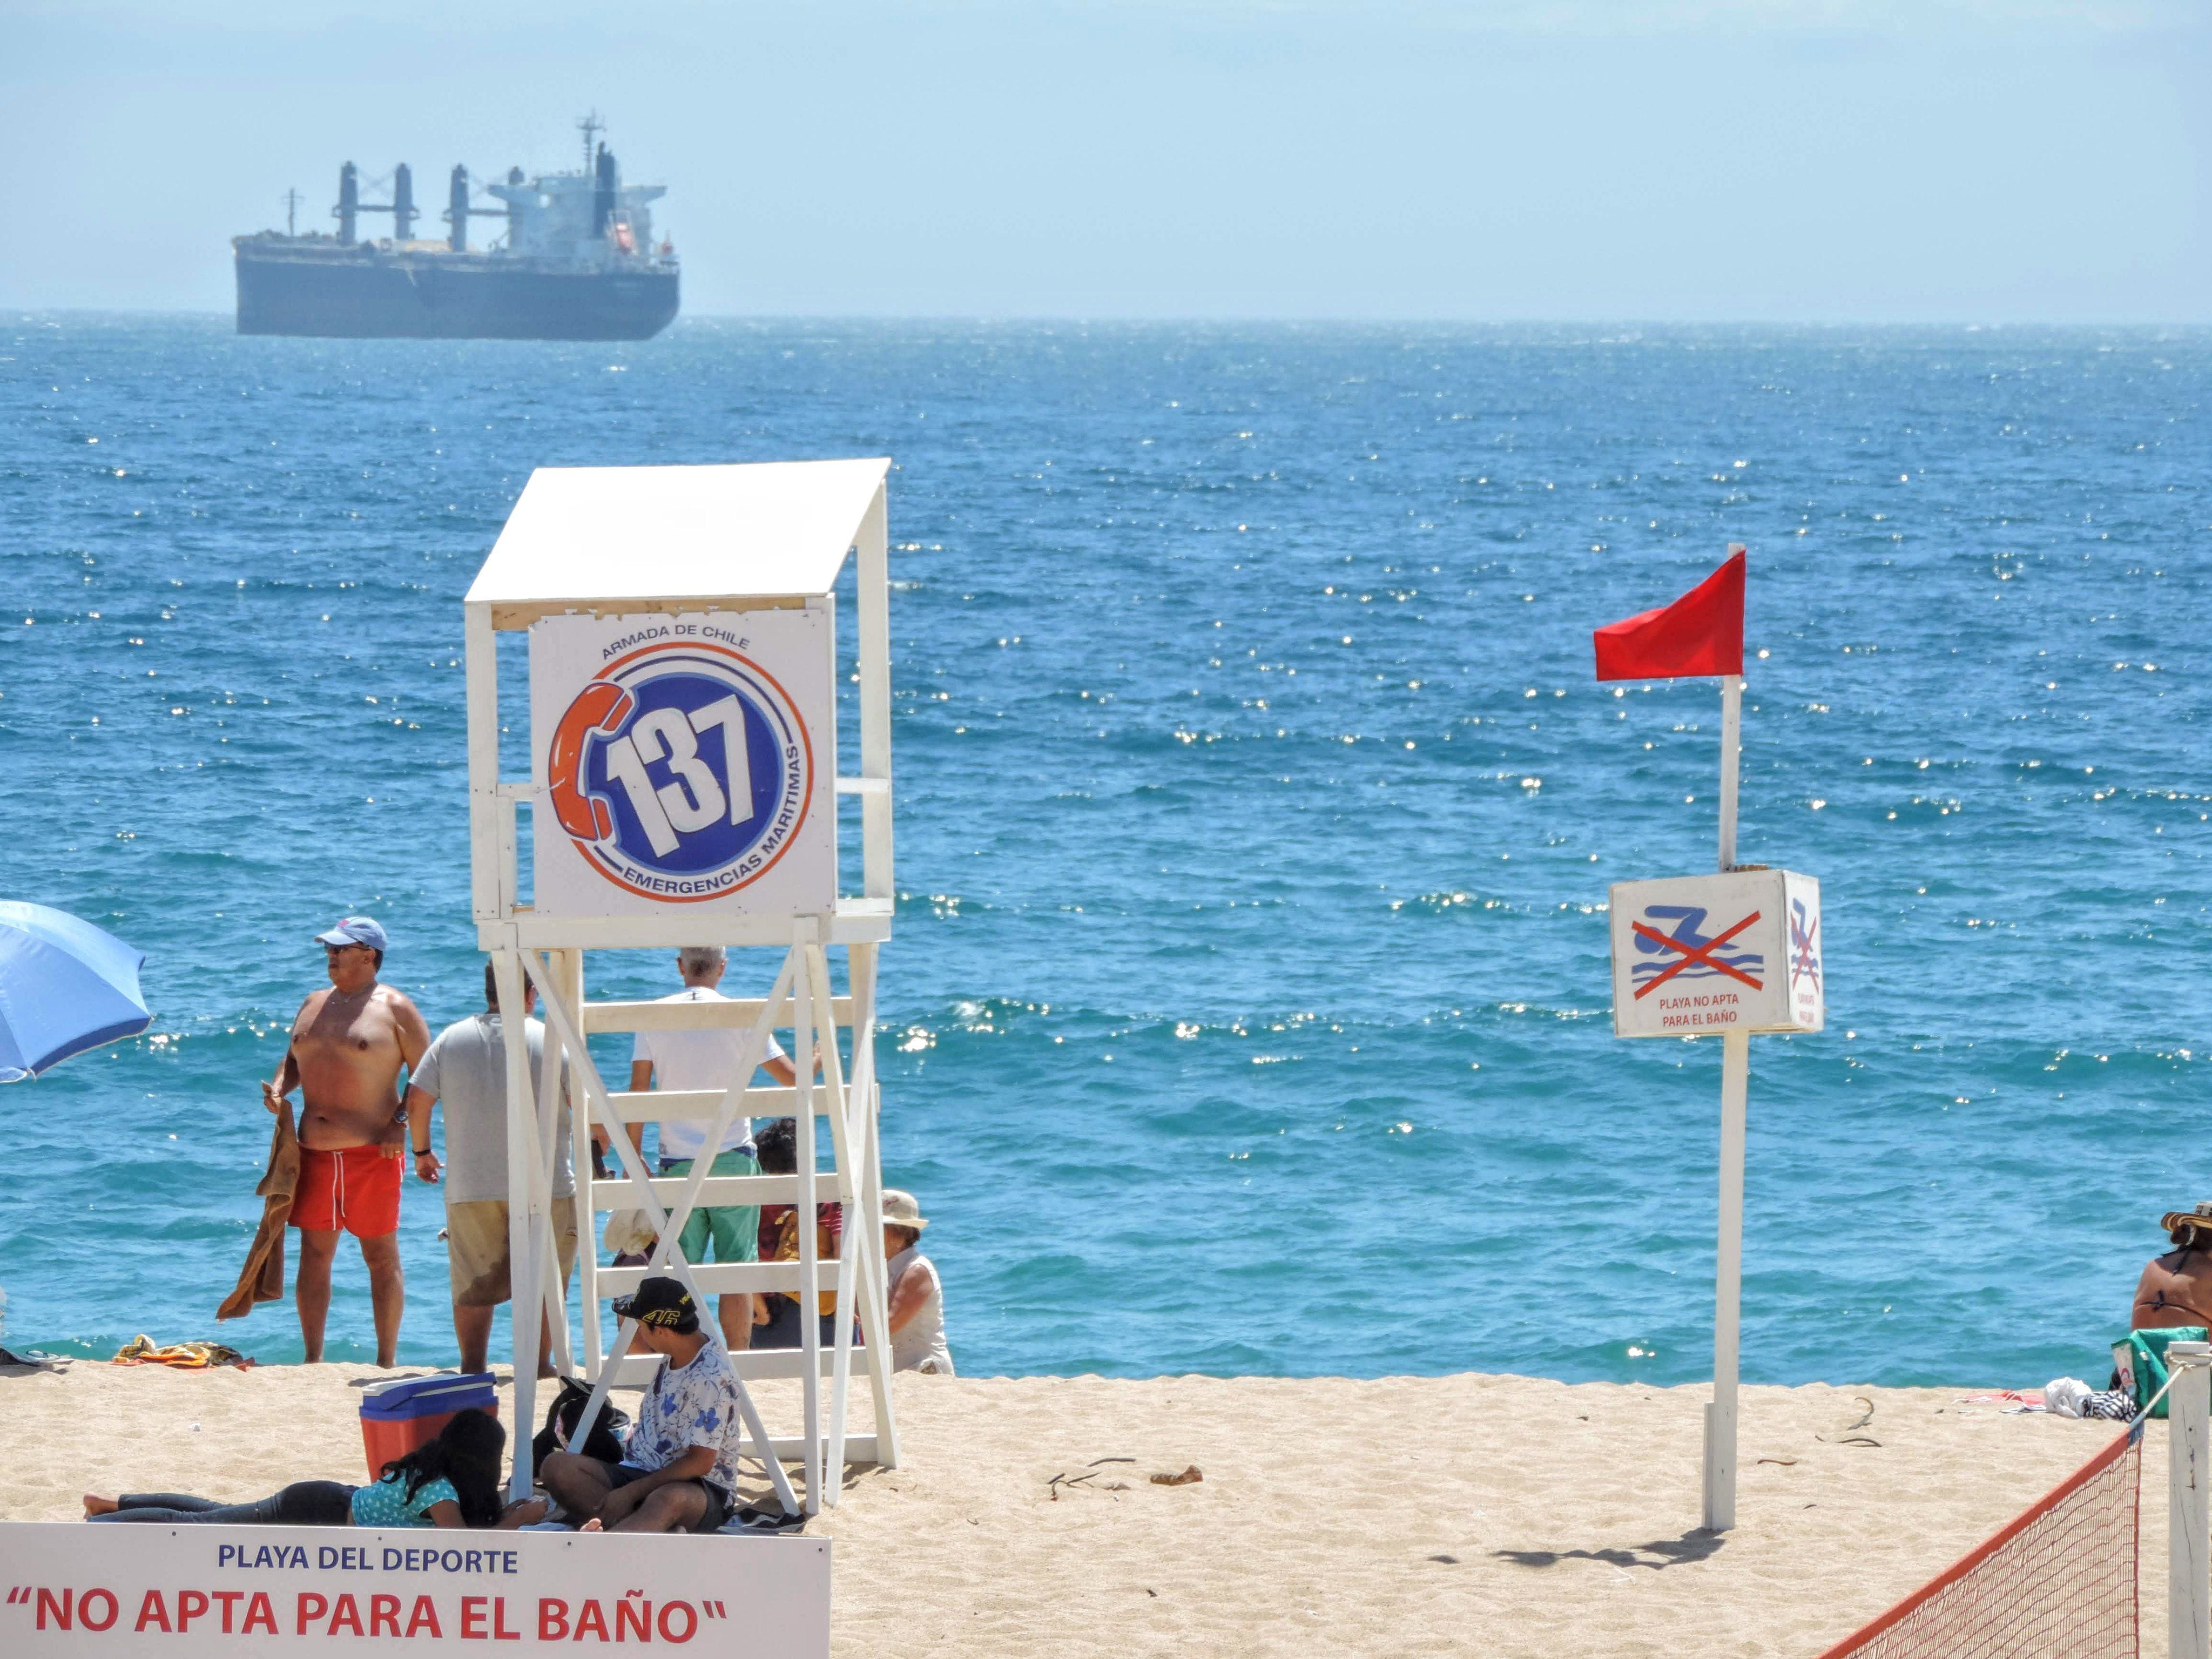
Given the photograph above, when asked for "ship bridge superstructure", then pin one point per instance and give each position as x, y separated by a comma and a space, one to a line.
582, 216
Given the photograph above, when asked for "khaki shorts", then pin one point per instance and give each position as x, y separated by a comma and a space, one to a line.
476, 1249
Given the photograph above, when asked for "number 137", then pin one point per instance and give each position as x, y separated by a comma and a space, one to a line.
692, 798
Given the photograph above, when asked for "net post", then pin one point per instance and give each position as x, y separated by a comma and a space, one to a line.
2188, 1571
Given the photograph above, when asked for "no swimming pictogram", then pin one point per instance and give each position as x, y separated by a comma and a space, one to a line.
1737, 950
1804, 945
1694, 956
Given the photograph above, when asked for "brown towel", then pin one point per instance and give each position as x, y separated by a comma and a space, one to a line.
264, 1278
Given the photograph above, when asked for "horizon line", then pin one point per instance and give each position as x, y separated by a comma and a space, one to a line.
1217, 319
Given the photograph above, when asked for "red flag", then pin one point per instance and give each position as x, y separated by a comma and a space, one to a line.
1701, 633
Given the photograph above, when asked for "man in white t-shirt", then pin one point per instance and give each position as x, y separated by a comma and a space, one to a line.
706, 1059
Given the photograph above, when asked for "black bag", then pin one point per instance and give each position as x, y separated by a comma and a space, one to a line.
605, 1440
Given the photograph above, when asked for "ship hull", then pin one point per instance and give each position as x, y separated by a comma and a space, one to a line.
365, 293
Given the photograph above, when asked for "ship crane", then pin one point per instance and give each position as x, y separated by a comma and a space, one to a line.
401, 207
348, 207
458, 212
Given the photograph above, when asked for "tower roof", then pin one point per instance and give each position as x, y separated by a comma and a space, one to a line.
602, 537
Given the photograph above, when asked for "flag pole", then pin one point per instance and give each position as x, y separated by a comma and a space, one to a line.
1731, 757
1735, 1084
1731, 749
1728, 1287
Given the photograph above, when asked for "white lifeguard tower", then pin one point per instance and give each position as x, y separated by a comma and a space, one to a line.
683, 674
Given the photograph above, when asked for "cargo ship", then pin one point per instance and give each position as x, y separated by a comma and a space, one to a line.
575, 261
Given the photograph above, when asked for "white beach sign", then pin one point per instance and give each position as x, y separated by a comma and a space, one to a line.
1740, 952
684, 760
213, 1591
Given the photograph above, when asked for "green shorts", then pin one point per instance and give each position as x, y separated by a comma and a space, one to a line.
735, 1228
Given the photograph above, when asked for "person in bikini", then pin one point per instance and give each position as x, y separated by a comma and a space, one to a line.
349, 1044
2175, 1288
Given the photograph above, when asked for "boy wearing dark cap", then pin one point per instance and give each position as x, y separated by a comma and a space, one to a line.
679, 1469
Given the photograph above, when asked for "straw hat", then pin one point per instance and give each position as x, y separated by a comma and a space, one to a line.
899, 1210
629, 1233
2185, 1226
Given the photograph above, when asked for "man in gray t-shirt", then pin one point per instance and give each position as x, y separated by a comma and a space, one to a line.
464, 1071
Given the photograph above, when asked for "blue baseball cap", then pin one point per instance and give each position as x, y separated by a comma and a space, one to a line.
356, 929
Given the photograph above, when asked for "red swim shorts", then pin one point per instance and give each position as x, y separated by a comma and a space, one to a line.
355, 1188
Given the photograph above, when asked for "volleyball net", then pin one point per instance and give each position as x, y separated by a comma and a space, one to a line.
2059, 1580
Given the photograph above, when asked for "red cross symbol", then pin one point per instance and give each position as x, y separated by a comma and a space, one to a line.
1695, 953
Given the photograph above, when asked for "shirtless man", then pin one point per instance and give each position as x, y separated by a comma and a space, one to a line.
348, 1045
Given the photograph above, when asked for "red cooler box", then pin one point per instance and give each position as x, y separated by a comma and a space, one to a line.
396, 1418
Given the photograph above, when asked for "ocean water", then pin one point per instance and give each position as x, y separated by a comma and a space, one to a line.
1247, 1006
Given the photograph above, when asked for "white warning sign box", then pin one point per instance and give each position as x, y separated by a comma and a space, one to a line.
1693, 954
76, 1592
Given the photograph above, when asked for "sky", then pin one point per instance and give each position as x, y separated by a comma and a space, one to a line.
1844, 161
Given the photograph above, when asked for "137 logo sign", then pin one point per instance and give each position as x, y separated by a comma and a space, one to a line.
682, 771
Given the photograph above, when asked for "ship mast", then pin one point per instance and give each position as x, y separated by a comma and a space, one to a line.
591, 126
291, 213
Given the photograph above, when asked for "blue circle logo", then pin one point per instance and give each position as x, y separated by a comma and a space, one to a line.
682, 772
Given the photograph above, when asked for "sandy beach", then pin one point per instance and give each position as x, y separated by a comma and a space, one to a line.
1507, 1514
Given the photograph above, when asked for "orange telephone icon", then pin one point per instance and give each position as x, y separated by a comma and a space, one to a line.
600, 707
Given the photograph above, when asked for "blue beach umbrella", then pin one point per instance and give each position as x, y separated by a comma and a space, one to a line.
65, 986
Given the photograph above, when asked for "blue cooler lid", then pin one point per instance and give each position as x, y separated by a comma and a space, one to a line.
429, 1396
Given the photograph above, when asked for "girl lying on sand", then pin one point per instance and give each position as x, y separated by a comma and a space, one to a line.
451, 1482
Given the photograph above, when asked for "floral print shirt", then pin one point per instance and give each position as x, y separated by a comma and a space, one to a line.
693, 1405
